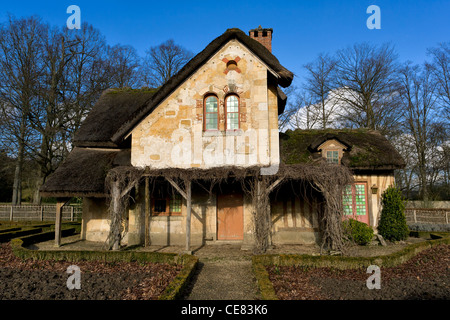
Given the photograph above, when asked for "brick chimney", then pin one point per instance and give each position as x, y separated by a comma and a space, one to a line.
263, 36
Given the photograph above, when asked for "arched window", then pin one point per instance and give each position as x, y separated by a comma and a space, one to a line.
211, 111
232, 112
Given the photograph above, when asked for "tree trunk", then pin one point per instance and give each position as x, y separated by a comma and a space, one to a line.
17, 186
115, 194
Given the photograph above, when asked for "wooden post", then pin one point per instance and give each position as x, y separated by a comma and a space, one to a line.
186, 194
188, 216
147, 212
58, 219
71, 213
414, 215
11, 214
115, 194
60, 202
42, 213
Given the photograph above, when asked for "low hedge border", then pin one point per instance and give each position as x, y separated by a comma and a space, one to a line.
24, 230
7, 236
259, 262
173, 291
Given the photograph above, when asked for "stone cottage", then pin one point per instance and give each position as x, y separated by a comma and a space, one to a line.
195, 142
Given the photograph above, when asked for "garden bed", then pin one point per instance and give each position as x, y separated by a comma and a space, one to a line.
123, 275
419, 271
30, 279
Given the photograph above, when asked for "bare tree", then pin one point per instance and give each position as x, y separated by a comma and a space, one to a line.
319, 83
418, 98
367, 77
123, 64
162, 62
440, 67
20, 51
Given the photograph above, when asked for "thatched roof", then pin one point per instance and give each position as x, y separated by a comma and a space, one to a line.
83, 173
366, 149
110, 111
284, 76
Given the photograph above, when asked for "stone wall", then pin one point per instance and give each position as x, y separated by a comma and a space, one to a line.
173, 134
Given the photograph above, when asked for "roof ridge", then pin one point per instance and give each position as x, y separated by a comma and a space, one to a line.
285, 76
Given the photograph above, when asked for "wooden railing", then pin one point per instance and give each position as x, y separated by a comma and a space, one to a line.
38, 213
422, 215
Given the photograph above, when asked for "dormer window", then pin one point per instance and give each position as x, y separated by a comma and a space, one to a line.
332, 150
333, 157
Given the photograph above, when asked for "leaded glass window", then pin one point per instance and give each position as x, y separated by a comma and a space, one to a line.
347, 201
333, 157
175, 204
211, 113
354, 200
232, 112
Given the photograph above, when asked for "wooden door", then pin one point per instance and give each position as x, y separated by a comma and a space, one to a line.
230, 216
355, 202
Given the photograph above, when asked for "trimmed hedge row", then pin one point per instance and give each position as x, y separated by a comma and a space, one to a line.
15, 232
7, 236
173, 291
338, 262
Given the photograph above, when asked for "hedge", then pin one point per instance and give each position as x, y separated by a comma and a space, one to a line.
6, 236
15, 232
338, 262
173, 291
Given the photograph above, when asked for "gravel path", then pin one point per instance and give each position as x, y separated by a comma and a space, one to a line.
223, 280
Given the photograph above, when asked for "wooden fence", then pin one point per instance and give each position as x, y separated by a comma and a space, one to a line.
38, 213
421, 215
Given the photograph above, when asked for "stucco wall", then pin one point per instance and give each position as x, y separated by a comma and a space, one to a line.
95, 223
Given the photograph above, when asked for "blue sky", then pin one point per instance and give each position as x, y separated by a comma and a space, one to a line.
302, 29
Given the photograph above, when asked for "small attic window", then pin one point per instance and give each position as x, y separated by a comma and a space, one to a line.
332, 150
333, 157
231, 65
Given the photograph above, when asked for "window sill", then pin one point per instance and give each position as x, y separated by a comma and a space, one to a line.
163, 214
218, 133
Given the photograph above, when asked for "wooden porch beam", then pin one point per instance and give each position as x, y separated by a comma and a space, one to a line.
147, 212
187, 195
128, 189
188, 216
273, 185
177, 187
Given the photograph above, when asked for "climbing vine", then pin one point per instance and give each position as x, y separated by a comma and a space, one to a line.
328, 179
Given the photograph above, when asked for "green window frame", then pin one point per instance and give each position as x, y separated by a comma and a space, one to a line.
232, 112
355, 200
167, 206
333, 156
211, 113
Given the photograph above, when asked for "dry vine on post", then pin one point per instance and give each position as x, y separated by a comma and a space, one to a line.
119, 182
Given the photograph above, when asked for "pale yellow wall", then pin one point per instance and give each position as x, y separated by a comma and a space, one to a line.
173, 135
298, 222
95, 223
165, 230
